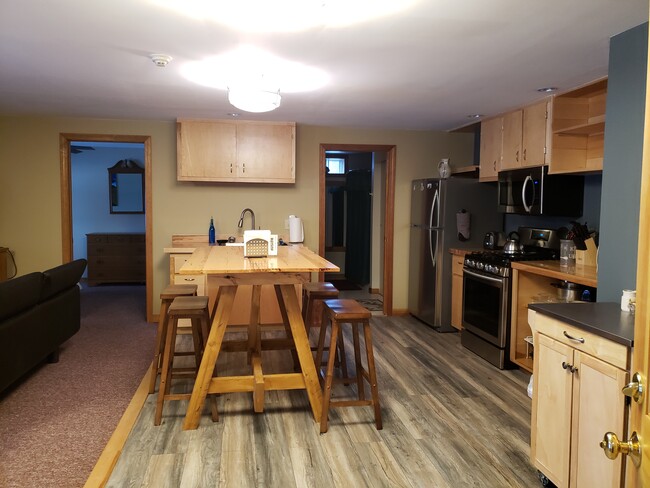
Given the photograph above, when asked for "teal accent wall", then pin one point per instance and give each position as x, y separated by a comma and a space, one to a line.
621, 185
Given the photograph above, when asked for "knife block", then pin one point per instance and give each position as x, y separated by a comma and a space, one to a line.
588, 257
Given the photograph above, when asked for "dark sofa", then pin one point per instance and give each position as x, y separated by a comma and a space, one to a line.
38, 313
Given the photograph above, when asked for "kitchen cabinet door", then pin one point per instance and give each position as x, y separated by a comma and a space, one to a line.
266, 153
457, 291
491, 148
598, 407
207, 151
534, 135
512, 133
551, 414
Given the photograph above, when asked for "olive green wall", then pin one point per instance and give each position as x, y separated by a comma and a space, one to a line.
30, 199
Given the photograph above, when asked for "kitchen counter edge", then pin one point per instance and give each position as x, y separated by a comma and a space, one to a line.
604, 319
583, 275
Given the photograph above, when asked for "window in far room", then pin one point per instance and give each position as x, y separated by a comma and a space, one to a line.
335, 166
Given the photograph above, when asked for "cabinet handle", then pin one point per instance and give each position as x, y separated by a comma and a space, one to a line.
577, 339
243, 168
570, 367
517, 156
524, 155
188, 279
231, 167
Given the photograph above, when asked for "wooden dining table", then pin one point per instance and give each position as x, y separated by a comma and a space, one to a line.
226, 268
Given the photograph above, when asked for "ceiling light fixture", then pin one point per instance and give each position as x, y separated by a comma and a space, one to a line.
475, 116
254, 99
548, 89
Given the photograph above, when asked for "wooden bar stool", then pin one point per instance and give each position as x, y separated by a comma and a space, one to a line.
166, 298
315, 292
339, 312
196, 309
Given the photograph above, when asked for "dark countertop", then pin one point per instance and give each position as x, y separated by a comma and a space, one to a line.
604, 319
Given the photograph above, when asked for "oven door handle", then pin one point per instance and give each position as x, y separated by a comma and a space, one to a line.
483, 277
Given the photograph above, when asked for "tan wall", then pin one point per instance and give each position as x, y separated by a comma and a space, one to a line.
30, 200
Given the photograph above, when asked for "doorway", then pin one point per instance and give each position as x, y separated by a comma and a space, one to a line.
65, 145
383, 190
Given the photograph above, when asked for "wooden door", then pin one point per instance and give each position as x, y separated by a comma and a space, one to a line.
512, 132
535, 122
551, 416
491, 147
598, 407
206, 151
640, 411
266, 153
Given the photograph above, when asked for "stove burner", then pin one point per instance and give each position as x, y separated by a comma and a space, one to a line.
499, 262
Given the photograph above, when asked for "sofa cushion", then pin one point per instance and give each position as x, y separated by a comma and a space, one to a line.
19, 294
60, 278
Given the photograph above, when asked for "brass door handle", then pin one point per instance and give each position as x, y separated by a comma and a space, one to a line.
634, 389
612, 447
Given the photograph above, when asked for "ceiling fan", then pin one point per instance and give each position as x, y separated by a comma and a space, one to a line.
75, 149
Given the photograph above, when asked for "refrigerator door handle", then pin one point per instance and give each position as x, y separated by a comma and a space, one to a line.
435, 208
434, 254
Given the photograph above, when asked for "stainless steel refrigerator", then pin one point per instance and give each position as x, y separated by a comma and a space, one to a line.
434, 230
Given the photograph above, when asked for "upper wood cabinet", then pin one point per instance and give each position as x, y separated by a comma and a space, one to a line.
578, 124
491, 147
525, 136
241, 151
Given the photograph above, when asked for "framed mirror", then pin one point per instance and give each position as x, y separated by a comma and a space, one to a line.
126, 187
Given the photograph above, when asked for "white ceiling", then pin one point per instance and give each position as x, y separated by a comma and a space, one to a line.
426, 67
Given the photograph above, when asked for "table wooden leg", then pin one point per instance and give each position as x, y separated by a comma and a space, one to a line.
303, 349
287, 327
210, 355
254, 339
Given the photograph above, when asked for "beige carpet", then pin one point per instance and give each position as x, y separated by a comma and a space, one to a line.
55, 423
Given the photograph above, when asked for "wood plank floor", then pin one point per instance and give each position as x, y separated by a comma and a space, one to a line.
450, 420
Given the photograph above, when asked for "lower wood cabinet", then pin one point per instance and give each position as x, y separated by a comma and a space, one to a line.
576, 399
116, 258
457, 291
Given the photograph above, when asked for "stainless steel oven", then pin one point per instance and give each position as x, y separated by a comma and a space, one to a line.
486, 315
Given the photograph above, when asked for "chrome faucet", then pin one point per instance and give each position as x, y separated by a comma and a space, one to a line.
241, 218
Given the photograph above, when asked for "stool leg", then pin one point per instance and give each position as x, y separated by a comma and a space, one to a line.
204, 326
357, 361
160, 345
321, 343
342, 361
327, 390
372, 374
166, 374
198, 343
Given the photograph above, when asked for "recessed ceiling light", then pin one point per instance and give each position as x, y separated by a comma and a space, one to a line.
233, 114
548, 89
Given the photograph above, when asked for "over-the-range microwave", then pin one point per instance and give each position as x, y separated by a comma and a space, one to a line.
532, 191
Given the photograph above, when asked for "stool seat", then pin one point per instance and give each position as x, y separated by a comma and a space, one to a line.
172, 291
322, 289
346, 309
188, 306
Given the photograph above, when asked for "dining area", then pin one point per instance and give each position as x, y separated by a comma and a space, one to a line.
272, 358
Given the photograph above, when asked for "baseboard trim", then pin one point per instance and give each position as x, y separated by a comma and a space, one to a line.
400, 311
374, 291
104, 467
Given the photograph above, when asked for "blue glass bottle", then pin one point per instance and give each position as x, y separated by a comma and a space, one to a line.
211, 233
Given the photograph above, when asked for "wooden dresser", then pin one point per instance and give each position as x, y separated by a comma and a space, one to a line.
116, 258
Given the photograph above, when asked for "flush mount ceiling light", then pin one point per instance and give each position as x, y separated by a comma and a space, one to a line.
160, 60
256, 73
250, 99
285, 15
547, 89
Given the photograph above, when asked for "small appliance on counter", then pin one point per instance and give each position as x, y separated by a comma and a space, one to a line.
296, 230
260, 243
494, 240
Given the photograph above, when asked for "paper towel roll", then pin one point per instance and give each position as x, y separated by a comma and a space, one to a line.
296, 232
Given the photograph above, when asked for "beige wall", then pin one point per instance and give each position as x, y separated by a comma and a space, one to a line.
30, 201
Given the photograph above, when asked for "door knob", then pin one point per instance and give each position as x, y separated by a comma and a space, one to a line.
612, 447
634, 389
